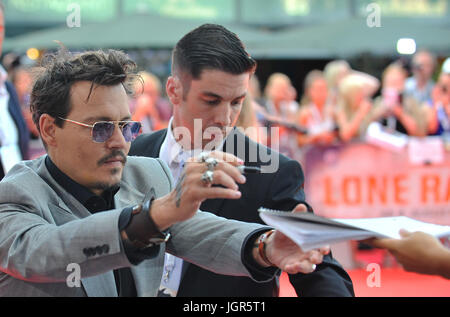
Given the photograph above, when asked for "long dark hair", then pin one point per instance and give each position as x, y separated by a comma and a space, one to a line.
51, 90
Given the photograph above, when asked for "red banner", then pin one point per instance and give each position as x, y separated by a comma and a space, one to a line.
363, 180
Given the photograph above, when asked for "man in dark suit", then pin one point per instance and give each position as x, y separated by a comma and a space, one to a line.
210, 75
14, 134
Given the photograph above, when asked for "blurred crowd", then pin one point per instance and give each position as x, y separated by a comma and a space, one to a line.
337, 104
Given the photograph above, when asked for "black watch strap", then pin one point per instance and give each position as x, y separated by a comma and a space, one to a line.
142, 231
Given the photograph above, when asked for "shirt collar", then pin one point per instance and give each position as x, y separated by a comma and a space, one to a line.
3, 79
87, 198
170, 149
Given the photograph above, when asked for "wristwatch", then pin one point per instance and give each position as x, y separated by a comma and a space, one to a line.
142, 231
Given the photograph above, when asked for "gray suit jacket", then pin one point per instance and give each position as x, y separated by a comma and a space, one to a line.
43, 229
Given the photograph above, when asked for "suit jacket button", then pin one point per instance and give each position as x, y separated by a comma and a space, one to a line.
98, 250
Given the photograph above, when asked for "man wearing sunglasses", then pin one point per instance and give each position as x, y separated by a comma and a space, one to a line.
86, 220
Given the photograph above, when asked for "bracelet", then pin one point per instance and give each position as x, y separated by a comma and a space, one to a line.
262, 247
141, 231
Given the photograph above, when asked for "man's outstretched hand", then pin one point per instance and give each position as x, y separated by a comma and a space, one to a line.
287, 255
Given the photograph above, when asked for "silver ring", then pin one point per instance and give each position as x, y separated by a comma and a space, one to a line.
203, 156
207, 177
211, 163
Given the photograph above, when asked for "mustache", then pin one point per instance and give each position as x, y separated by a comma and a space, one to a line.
113, 154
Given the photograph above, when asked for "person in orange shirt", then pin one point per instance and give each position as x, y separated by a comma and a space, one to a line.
148, 107
354, 105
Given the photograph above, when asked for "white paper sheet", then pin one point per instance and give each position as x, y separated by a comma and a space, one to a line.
310, 231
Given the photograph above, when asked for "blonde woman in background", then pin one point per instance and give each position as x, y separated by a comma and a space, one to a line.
354, 104
334, 72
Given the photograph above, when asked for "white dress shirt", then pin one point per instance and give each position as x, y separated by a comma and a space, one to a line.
10, 153
175, 156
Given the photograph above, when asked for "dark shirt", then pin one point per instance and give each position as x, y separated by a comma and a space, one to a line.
94, 203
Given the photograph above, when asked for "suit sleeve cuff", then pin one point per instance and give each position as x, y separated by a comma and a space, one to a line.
125, 217
257, 272
134, 254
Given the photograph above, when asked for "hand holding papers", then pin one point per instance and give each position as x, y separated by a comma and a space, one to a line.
310, 231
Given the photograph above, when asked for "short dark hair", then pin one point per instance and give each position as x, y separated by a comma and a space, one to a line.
211, 46
51, 90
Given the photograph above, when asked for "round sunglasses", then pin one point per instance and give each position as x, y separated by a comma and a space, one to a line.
101, 131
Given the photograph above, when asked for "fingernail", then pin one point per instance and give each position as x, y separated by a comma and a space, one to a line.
242, 178
237, 194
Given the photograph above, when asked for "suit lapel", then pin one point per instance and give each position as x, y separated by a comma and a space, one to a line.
154, 146
127, 195
68, 209
154, 150
66, 201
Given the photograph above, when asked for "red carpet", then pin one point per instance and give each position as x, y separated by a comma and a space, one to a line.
394, 282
